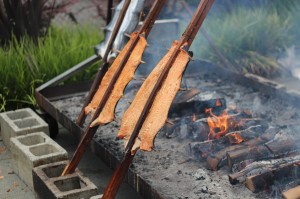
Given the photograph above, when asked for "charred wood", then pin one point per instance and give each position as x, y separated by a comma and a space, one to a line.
198, 129
260, 175
186, 96
213, 146
190, 108
219, 158
188, 128
266, 178
283, 144
258, 152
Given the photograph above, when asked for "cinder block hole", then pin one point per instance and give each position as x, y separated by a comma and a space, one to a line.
44, 149
70, 184
30, 122
18, 115
32, 140
54, 171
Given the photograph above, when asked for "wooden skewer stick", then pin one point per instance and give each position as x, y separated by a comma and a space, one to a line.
90, 131
103, 69
185, 41
210, 41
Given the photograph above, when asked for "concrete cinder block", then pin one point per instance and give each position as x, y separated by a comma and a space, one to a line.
21, 122
49, 184
33, 150
97, 197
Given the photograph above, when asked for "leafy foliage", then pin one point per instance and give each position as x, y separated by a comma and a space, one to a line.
251, 39
25, 65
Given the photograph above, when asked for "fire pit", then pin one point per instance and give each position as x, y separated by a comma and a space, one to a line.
259, 148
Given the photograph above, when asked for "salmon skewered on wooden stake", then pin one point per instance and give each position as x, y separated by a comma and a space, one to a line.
149, 109
114, 82
103, 69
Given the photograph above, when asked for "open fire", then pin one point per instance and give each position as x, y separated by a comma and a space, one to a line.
260, 148
257, 153
218, 125
257, 150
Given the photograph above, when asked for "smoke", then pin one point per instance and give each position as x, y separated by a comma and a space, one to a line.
291, 60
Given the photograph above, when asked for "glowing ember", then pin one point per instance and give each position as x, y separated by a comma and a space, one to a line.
218, 102
218, 125
235, 138
194, 118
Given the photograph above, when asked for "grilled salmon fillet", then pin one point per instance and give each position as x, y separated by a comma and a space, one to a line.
107, 114
157, 115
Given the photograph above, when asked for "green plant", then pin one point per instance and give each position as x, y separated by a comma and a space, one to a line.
25, 65
249, 38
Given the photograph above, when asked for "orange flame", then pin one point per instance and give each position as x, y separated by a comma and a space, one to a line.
235, 138
218, 125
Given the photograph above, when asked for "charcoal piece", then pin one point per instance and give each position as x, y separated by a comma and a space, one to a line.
197, 107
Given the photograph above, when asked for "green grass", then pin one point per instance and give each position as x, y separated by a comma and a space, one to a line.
250, 39
24, 65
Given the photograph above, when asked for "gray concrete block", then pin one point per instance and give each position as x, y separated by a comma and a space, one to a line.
49, 184
97, 197
33, 150
20, 122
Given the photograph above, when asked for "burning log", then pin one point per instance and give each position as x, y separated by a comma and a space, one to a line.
219, 158
217, 146
293, 193
260, 175
170, 69
198, 129
280, 146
